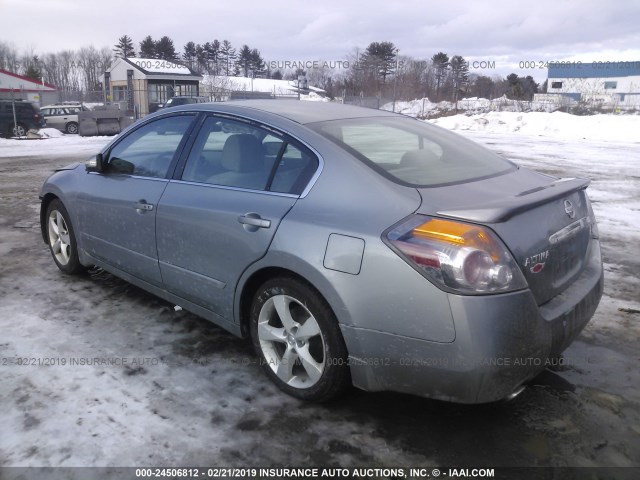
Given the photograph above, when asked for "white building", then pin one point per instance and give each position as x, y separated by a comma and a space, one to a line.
18, 87
613, 84
144, 83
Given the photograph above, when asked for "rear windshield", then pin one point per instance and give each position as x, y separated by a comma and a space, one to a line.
412, 152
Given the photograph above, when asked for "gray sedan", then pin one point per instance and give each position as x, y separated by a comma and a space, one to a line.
352, 246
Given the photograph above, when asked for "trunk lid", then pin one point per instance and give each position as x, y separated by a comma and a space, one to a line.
544, 221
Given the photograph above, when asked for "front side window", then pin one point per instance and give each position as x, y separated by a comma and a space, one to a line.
149, 150
242, 155
412, 152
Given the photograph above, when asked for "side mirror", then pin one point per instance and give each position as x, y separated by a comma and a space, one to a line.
94, 164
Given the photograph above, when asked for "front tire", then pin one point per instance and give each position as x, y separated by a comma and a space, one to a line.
61, 239
297, 339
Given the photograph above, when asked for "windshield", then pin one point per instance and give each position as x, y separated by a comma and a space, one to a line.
413, 152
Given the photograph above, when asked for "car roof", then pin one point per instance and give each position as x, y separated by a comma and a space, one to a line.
299, 111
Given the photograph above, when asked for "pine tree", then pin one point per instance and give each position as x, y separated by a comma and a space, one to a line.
244, 59
440, 63
165, 49
201, 59
33, 70
459, 74
148, 48
212, 53
124, 47
190, 54
257, 63
227, 57
379, 59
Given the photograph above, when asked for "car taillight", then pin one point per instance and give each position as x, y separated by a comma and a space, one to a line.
460, 256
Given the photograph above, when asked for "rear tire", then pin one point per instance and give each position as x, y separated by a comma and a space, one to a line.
18, 130
297, 339
72, 127
61, 239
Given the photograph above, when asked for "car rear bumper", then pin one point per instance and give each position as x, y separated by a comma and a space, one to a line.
501, 342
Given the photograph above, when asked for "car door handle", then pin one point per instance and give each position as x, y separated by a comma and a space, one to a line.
254, 220
144, 206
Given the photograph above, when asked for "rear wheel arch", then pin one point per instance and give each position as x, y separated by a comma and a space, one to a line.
256, 280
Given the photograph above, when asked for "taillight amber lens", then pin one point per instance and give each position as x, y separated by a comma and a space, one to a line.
463, 257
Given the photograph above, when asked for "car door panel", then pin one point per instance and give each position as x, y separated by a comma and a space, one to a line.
108, 209
117, 207
203, 243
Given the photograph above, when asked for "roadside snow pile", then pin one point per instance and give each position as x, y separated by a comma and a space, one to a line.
57, 144
622, 128
314, 97
417, 108
50, 133
223, 83
424, 108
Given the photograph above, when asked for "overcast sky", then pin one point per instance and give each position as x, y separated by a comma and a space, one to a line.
505, 32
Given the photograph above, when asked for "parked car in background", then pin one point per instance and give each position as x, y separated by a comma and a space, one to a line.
27, 117
351, 245
183, 100
63, 116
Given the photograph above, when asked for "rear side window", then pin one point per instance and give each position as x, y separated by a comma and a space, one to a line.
236, 154
413, 153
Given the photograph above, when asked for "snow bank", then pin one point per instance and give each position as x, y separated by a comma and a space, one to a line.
54, 145
50, 133
623, 128
314, 97
414, 108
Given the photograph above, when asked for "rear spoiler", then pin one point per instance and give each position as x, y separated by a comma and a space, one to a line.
502, 210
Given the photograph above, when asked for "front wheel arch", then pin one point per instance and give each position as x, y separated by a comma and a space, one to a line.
44, 206
61, 236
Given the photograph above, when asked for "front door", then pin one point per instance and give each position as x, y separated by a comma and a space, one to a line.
117, 208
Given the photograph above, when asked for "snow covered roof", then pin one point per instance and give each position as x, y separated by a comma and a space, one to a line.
154, 67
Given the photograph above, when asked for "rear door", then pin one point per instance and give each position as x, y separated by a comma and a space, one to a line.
220, 214
55, 118
117, 208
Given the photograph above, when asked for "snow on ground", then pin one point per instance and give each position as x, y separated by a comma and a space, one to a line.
53, 144
424, 108
50, 133
621, 128
267, 85
180, 391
